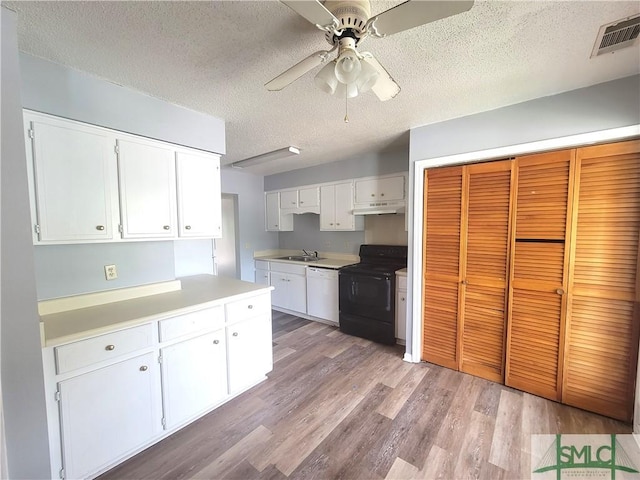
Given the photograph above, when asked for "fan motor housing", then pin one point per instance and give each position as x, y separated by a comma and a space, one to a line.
353, 16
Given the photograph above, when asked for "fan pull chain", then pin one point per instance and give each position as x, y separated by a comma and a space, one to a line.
346, 106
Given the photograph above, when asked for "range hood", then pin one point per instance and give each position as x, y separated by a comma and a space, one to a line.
379, 208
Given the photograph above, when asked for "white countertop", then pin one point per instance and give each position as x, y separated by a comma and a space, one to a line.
197, 292
402, 272
328, 262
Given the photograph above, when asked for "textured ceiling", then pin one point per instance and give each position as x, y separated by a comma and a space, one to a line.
215, 57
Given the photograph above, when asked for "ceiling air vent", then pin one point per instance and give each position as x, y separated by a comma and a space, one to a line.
617, 35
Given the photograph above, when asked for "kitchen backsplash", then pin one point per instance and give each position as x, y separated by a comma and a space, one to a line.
381, 229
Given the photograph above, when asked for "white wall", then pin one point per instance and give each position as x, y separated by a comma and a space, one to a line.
22, 377
599, 107
253, 237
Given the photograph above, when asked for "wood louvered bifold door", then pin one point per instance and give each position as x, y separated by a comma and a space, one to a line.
538, 276
484, 266
602, 329
441, 272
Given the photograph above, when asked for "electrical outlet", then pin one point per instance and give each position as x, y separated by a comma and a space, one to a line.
110, 272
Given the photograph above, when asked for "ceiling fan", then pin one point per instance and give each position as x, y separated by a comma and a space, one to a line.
346, 23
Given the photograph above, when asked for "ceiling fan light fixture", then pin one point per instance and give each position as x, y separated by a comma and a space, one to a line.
348, 90
326, 79
348, 66
368, 76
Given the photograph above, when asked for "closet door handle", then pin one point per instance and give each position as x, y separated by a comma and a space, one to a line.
464, 282
560, 291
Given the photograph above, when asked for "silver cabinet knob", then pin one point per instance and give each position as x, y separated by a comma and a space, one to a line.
235, 334
373, 194
187, 227
100, 227
144, 368
560, 291
402, 299
338, 224
382, 194
216, 342
331, 224
250, 307
166, 227
110, 347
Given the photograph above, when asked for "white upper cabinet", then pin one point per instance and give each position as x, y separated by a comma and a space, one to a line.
382, 189
276, 221
336, 204
147, 177
303, 200
199, 207
93, 184
74, 181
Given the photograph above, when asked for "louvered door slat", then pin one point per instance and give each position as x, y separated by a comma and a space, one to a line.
485, 257
441, 273
540, 258
602, 331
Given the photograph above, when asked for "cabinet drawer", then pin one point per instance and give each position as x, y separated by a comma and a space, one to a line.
104, 347
288, 268
402, 282
249, 307
262, 265
201, 321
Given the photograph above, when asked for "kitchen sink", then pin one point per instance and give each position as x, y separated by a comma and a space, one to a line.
301, 258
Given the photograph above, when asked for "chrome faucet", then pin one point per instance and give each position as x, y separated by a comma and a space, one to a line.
315, 253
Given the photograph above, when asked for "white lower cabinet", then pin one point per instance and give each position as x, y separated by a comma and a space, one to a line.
401, 308
194, 377
107, 413
250, 357
290, 286
115, 391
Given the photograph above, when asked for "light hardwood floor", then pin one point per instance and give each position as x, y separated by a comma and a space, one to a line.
337, 406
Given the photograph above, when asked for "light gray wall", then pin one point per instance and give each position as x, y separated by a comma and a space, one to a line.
306, 234
64, 270
52, 88
22, 376
253, 237
394, 161
192, 257
599, 107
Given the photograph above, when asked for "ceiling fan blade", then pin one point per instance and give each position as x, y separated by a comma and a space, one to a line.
313, 11
385, 87
299, 69
414, 13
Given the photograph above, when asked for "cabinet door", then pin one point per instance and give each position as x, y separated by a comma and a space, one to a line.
379, 189
262, 277
297, 293
540, 258
147, 190
485, 248
308, 197
289, 199
194, 376
75, 182
199, 201
601, 347
443, 193
401, 315
327, 208
279, 294
344, 207
108, 413
272, 213
249, 352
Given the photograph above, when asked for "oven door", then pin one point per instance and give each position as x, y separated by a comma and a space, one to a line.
367, 295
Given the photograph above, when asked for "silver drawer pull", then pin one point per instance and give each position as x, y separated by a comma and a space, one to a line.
144, 368
110, 347
100, 227
166, 227
187, 227
249, 307
216, 342
235, 334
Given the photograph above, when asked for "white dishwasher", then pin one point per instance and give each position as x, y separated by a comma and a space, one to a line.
322, 293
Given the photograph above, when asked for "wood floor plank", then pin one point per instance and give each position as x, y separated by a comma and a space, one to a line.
439, 465
505, 447
401, 470
401, 393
